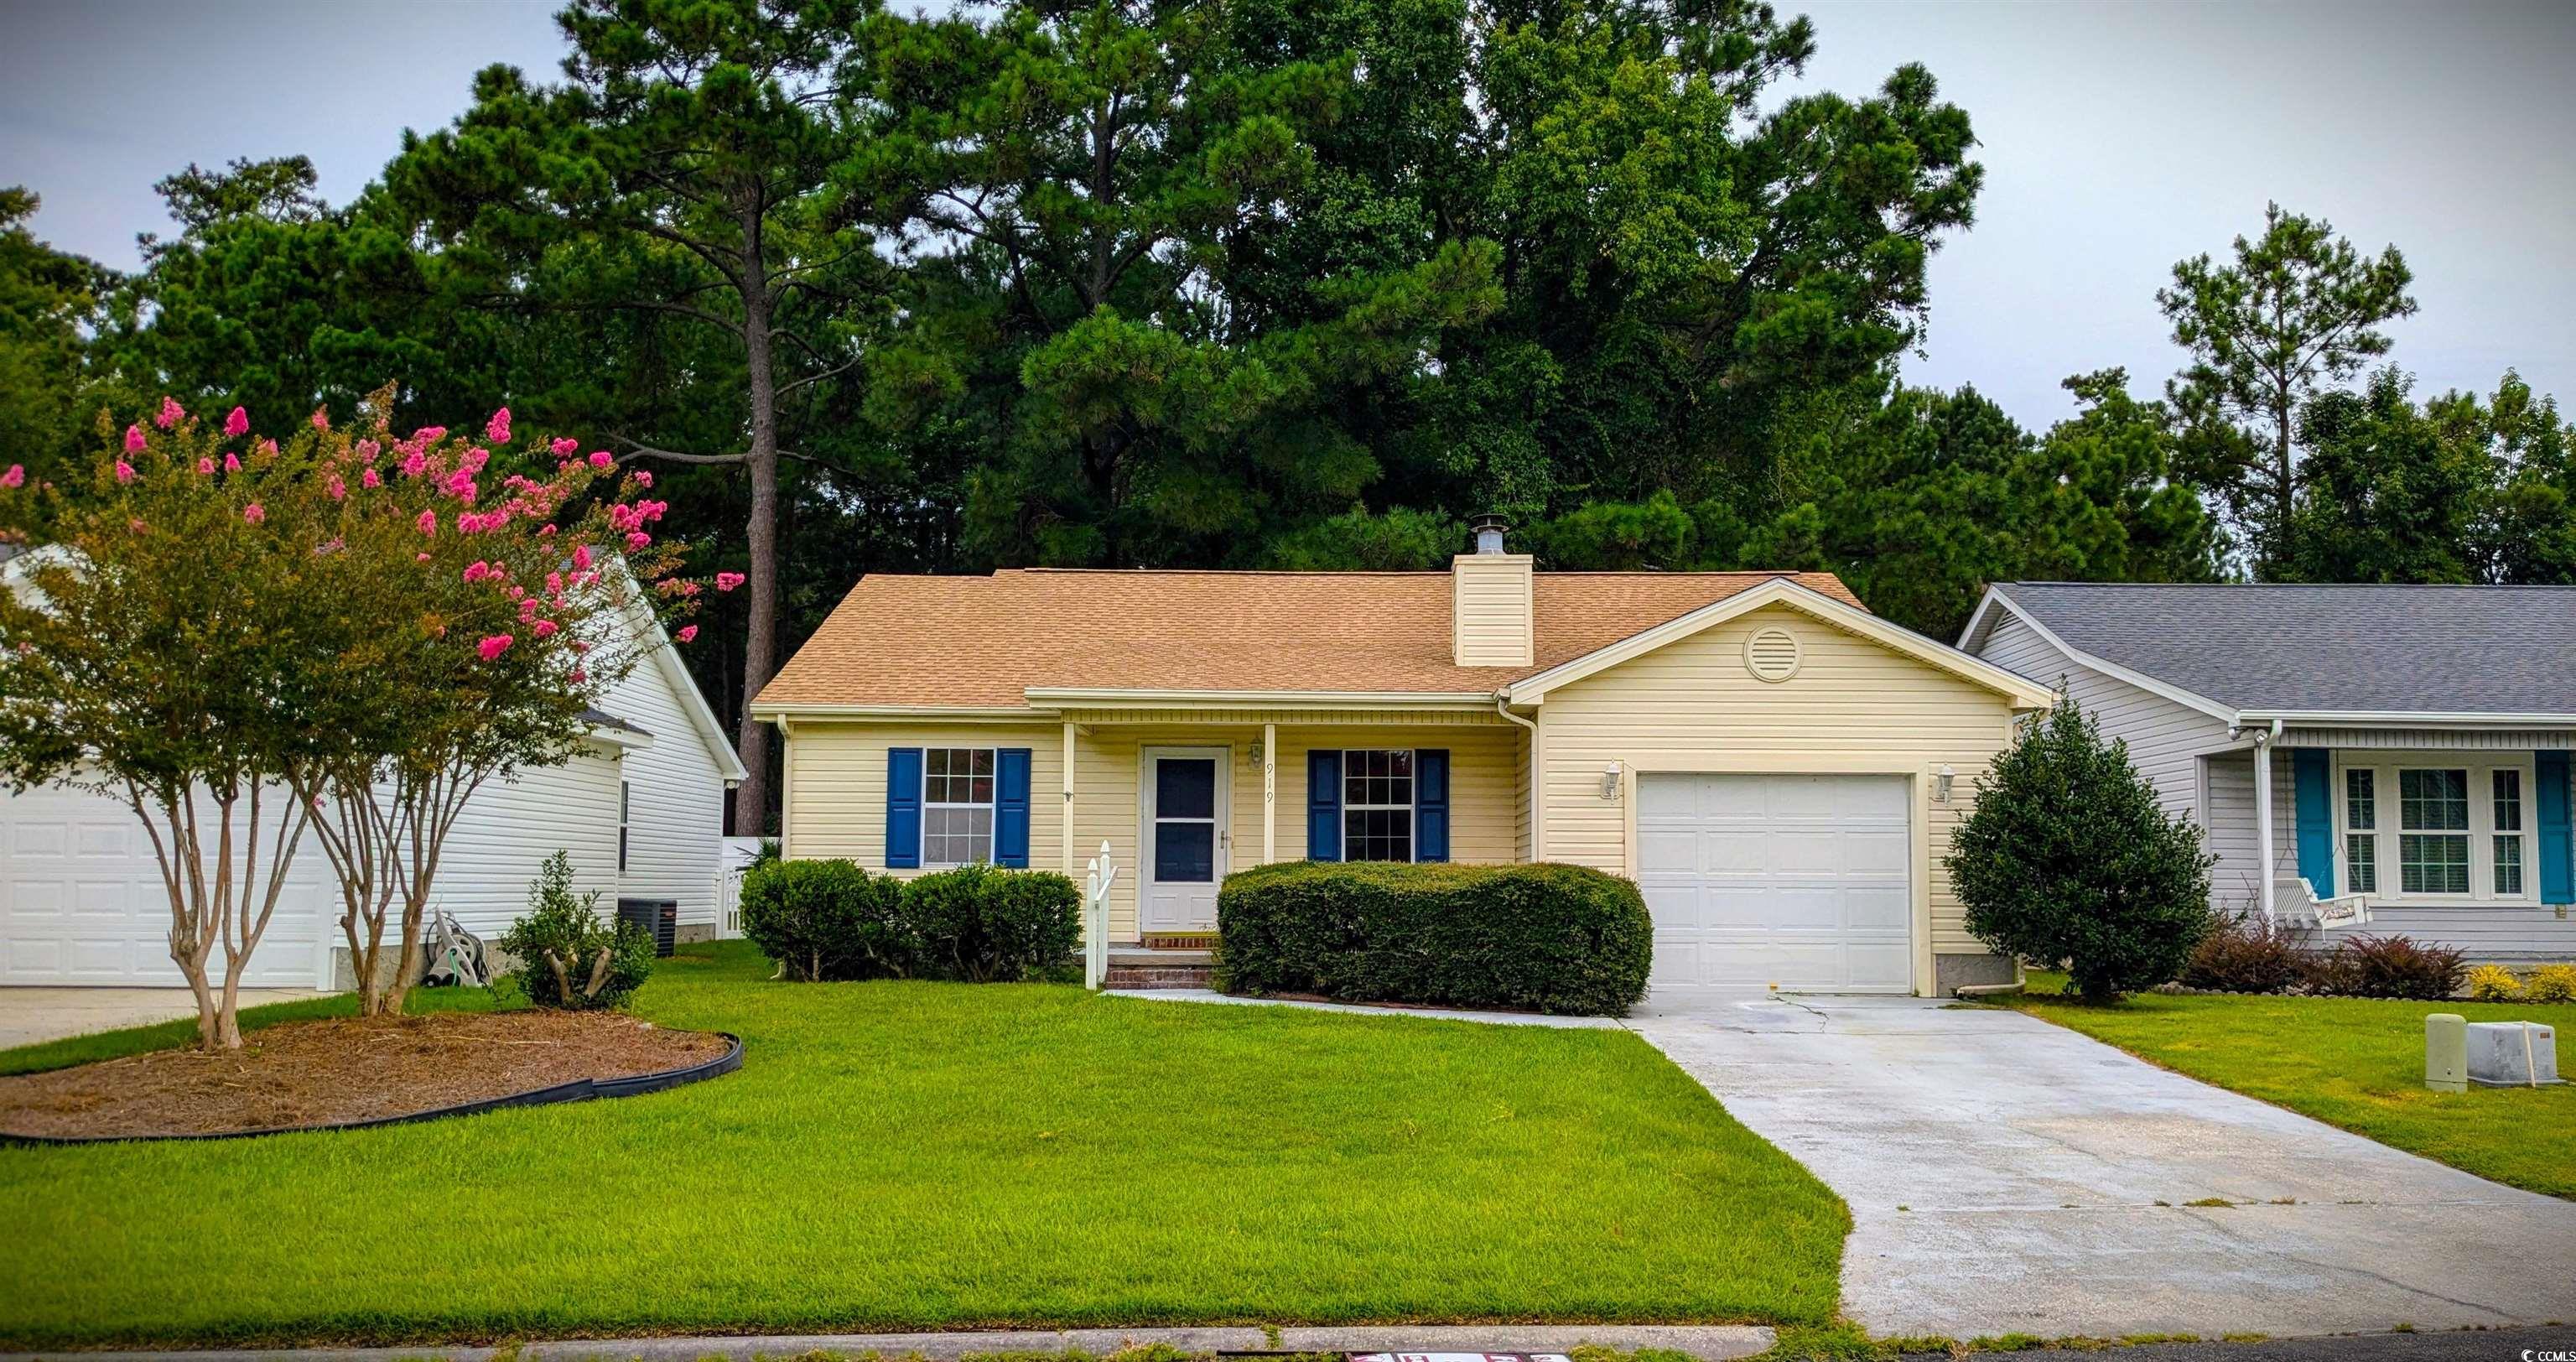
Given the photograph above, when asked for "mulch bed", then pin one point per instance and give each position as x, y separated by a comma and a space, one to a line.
342, 1070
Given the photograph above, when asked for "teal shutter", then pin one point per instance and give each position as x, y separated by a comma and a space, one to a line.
2557, 837
1011, 808
1324, 805
903, 808
1431, 804
2314, 792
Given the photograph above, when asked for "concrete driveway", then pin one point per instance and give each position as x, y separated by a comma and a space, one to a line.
29, 1015
2006, 1175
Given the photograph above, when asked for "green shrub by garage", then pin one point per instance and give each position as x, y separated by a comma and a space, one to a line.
1538, 938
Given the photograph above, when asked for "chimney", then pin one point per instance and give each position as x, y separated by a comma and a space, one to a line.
1490, 601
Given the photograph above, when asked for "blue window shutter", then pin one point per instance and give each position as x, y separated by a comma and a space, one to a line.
1431, 804
2315, 798
1011, 808
903, 808
1324, 805
2557, 837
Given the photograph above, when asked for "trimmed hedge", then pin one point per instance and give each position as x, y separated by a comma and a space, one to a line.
825, 920
1539, 938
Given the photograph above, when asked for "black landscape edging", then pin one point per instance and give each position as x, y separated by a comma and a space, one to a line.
578, 1090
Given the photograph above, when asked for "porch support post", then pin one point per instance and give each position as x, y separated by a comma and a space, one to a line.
2267, 858
1068, 801
1269, 793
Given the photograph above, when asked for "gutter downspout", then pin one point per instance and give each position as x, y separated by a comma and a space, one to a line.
1538, 845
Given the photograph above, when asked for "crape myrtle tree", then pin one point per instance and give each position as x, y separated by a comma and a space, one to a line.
247, 643
525, 578
2069, 857
680, 176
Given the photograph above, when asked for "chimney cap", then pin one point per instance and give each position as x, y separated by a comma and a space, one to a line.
1489, 521
1489, 529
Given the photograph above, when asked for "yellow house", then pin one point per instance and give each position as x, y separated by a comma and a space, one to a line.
1775, 767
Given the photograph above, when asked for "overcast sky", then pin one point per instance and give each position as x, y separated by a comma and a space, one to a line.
2117, 138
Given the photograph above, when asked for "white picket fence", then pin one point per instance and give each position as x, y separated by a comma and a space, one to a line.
735, 857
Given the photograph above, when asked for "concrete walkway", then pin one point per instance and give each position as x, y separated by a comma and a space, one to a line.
1708, 1342
29, 1015
2007, 1175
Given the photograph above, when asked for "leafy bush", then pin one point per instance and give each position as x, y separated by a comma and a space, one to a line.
2387, 967
2245, 954
825, 920
2069, 857
569, 955
985, 925
2551, 984
2494, 984
1547, 938
828, 920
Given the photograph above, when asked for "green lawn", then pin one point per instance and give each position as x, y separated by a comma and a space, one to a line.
2357, 1063
926, 1155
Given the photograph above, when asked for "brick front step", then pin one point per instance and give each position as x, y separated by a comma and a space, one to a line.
1157, 976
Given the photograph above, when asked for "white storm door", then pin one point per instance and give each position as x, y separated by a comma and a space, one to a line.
1184, 793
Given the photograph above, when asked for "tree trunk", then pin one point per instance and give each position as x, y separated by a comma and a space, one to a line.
2283, 497
751, 798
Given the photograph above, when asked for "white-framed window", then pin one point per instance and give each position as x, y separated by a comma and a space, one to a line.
1377, 804
2435, 827
956, 805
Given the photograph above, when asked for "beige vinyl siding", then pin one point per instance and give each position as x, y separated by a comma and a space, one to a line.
836, 788
1853, 706
836, 785
1492, 609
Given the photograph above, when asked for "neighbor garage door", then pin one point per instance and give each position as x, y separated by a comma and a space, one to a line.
1799, 881
81, 901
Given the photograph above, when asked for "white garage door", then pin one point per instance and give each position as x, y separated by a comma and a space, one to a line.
81, 901
1799, 881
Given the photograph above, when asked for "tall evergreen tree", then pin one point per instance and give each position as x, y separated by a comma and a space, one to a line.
47, 298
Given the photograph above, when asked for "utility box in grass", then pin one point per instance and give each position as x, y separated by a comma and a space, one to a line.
2512, 1054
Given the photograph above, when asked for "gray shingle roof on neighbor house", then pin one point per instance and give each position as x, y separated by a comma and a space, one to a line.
2374, 649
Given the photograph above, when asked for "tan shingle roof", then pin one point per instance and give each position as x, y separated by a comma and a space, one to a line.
985, 641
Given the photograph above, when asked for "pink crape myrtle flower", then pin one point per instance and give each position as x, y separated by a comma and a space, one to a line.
554, 583
580, 557
254, 513
565, 447
545, 628
638, 540
236, 423
579, 676
491, 648
134, 442
497, 430
727, 581
136, 527
414, 464
688, 633
580, 647
321, 418
477, 570
370, 479
339, 490
428, 522
368, 450
600, 458
643, 479
205, 467
231, 464
429, 435
420, 557
15, 477
124, 471
268, 446
545, 532
171, 413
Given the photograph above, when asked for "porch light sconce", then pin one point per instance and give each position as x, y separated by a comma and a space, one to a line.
1941, 780
1610, 782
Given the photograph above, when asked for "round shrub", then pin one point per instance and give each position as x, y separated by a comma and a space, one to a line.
2552, 984
828, 920
570, 955
1541, 938
2069, 857
2494, 984
982, 925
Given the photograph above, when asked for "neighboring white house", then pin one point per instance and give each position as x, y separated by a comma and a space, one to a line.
2414, 741
640, 810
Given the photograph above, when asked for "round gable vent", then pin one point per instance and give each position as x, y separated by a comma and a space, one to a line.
1772, 654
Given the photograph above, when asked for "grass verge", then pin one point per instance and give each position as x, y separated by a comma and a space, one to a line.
922, 1156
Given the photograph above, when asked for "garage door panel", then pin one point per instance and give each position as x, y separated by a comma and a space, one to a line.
1797, 881
39, 840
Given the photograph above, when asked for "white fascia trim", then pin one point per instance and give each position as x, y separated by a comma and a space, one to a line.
626, 739
1063, 698
2114, 670
783, 715
2402, 719
2024, 692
